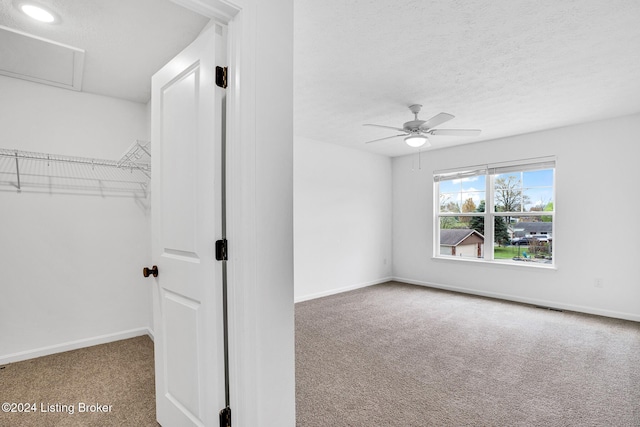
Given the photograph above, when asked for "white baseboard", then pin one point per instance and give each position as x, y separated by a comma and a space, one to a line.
340, 290
532, 301
72, 345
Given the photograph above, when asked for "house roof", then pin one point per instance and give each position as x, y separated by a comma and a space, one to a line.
537, 227
455, 236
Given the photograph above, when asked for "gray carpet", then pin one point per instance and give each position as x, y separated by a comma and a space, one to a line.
403, 355
120, 374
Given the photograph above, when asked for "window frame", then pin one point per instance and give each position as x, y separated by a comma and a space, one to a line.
490, 172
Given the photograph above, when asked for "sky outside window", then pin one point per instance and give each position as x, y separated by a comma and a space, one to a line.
460, 190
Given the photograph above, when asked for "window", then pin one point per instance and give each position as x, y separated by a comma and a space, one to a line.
516, 198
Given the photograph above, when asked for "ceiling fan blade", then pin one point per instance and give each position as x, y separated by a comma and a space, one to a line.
386, 127
436, 120
389, 137
455, 132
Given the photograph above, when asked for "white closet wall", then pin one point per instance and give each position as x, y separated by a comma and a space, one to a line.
70, 265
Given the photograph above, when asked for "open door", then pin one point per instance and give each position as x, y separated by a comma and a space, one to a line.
186, 134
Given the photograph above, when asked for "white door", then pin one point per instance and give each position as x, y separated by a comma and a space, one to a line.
186, 117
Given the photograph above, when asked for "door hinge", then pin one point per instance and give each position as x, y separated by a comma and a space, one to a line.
225, 417
221, 77
221, 250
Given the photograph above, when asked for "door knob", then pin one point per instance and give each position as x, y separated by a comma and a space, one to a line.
146, 272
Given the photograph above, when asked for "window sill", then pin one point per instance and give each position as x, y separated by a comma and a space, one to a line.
515, 264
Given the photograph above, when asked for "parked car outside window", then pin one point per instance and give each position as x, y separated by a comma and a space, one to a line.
520, 241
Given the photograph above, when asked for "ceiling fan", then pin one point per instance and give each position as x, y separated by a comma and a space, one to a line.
416, 131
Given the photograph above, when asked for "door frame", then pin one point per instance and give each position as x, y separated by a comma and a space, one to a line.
257, 399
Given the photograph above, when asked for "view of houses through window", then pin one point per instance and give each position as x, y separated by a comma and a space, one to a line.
517, 199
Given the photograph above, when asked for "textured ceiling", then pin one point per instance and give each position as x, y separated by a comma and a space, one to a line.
125, 41
504, 66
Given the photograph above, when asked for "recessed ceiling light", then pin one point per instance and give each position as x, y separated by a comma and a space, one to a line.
38, 13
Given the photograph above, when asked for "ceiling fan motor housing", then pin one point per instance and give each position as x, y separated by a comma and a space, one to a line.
413, 125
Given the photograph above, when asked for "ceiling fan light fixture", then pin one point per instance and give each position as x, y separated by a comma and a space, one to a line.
416, 140
38, 13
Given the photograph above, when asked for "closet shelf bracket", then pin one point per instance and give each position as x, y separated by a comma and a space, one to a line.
18, 171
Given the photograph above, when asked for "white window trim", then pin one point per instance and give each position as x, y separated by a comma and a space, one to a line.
490, 171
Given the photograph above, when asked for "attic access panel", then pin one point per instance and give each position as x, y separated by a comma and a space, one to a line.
32, 58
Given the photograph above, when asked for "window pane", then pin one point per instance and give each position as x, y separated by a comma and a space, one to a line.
459, 237
449, 186
462, 194
538, 190
473, 202
508, 195
538, 199
449, 202
530, 241
524, 191
539, 178
473, 183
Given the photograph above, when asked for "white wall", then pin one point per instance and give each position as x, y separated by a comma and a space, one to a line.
260, 215
342, 218
595, 226
70, 265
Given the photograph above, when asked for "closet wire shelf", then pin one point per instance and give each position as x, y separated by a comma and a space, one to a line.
43, 172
